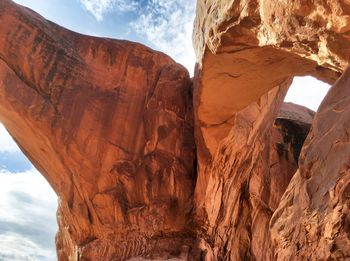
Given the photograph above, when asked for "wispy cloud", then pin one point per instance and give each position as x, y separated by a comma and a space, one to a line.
28, 217
13, 247
99, 8
168, 24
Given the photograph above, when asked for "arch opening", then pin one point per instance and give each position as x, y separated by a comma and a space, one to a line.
248, 140
27, 206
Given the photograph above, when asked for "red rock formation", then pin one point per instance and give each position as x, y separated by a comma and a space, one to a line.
313, 219
248, 176
109, 124
247, 52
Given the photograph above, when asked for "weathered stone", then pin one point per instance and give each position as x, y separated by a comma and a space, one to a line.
248, 176
109, 124
312, 221
248, 51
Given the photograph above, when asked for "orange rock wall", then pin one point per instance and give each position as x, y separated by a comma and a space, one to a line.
115, 129
110, 125
313, 217
246, 50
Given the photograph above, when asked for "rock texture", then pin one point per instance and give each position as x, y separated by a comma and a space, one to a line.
248, 51
312, 221
109, 124
248, 176
114, 128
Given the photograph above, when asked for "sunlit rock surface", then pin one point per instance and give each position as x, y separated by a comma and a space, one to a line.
145, 171
248, 52
312, 221
109, 124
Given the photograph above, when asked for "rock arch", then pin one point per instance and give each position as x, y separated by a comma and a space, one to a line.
110, 125
247, 53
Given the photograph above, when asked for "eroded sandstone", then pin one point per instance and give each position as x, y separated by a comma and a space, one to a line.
248, 51
109, 123
313, 217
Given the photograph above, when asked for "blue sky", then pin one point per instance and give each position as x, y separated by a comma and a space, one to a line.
165, 25
27, 207
27, 203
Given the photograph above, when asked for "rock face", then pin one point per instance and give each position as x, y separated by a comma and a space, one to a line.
312, 221
114, 128
109, 124
249, 174
247, 52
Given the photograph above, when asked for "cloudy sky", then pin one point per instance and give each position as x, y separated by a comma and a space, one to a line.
27, 203
27, 207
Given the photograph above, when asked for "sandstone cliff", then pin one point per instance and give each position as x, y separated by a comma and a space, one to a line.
312, 221
109, 124
248, 51
145, 170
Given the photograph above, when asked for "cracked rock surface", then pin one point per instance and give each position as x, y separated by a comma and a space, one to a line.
149, 164
248, 51
109, 124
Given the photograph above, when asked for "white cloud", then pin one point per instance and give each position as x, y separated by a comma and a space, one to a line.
307, 91
6, 142
99, 8
14, 248
28, 217
168, 25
